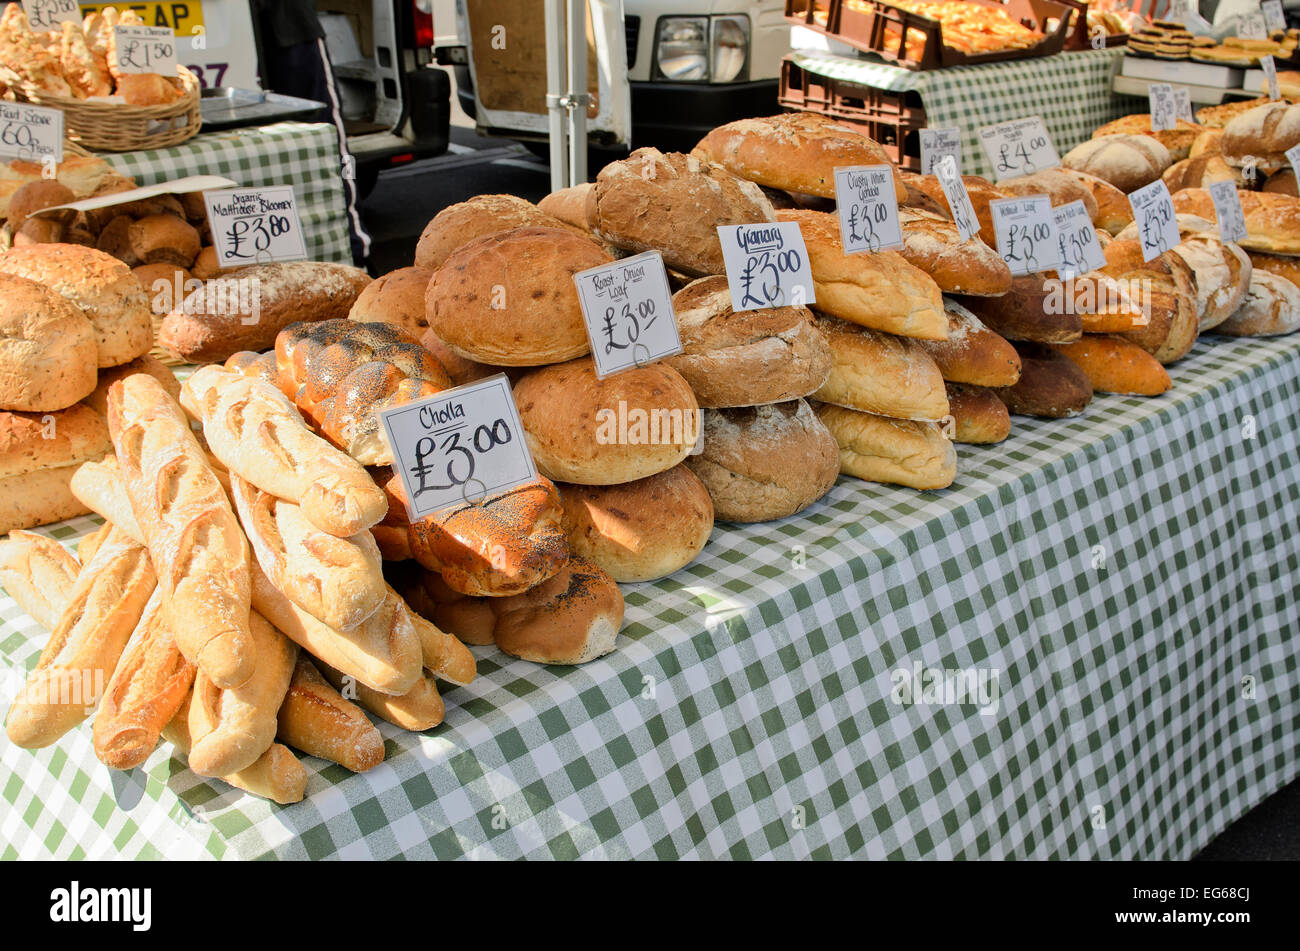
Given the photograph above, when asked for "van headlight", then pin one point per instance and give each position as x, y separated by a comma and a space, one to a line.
702, 49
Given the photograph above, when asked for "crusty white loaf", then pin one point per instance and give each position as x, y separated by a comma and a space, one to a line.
896, 451
880, 373
39, 453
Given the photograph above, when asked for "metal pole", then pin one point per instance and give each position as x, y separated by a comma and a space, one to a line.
555, 92
577, 92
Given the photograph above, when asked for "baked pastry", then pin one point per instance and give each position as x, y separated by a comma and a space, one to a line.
1264, 134
1177, 140
396, 298
1115, 365
459, 224
1126, 161
571, 618
39, 453
1272, 220
1271, 308
977, 415
879, 373
893, 451
48, 351
972, 353
933, 244
1050, 384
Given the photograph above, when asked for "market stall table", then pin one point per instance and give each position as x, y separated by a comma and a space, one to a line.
1122, 584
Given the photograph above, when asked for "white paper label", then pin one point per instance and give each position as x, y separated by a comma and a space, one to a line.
1078, 250
1270, 75
1161, 98
868, 208
1274, 19
767, 265
959, 204
1020, 147
1026, 233
255, 225
1253, 26
1178, 10
1293, 156
31, 133
1227, 209
50, 14
145, 49
460, 445
1183, 103
628, 309
1153, 211
935, 144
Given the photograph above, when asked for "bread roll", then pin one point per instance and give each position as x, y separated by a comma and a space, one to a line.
571, 618
1115, 365
48, 351
163, 239
316, 719
39, 453
569, 205
1272, 220
745, 358
39, 574
1126, 161
1113, 209
36, 196
961, 267
978, 416
881, 291
396, 298
1050, 384
206, 265
1177, 140
765, 462
459, 224
1263, 134
1271, 308
1036, 308
98, 400
103, 289
893, 451
602, 432
641, 530
880, 373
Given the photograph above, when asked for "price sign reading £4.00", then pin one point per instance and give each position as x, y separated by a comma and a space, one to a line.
1078, 250
628, 309
255, 225
1153, 212
145, 49
767, 265
458, 446
1026, 233
868, 208
31, 133
1020, 147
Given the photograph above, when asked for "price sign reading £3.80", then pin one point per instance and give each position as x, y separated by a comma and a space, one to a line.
457, 446
1153, 212
868, 208
767, 265
628, 309
145, 49
1020, 147
1026, 233
255, 225
31, 133
1078, 250
50, 14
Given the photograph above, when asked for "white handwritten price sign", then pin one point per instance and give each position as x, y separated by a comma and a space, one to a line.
1183, 103
145, 49
1270, 75
31, 133
1078, 250
255, 225
49, 14
935, 144
1025, 229
460, 445
628, 309
868, 208
1153, 212
767, 265
1253, 26
1163, 115
959, 203
1293, 156
1227, 209
1274, 19
1019, 147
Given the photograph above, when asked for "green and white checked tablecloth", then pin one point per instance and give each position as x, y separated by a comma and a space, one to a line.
1131, 575
302, 154
1071, 91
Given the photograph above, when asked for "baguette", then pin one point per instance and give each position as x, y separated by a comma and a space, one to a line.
39, 575
258, 434
444, 655
316, 719
99, 486
87, 547
147, 688
231, 728
189, 526
84, 647
420, 708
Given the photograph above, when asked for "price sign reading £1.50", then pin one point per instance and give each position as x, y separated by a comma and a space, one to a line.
1026, 233
145, 49
255, 225
767, 265
1153, 212
1020, 147
458, 446
868, 208
628, 309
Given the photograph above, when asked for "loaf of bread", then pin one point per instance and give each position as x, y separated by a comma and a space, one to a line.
1058, 184
971, 354
894, 451
1113, 208
569, 205
1272, 220
469, 619
39, 453
98, 485
445, 657
48, 352
978, 416
1281, 265
1217, 117
39, 574
879, 373
457, 225
981, 192
1115, 365
98, 400
1050, 384
934, 245
1126, 161
1262, 135
1200, 172
1166, 299
318, 720
571, 618
419, 709
1177, 140
396, 298
460, 369
1271, 308
1207, 142
1034, 309
1282, 182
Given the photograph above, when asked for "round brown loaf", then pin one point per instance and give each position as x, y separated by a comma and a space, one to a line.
47, 348
601, 432
39, 230
642, 530
395, 298
1177, 140
765, 462
508, 299
893, 451
1264, 133
1126, 161
35, 196
457, 225
165, 285
749, 357
1050, 384
39, 452
571, 618
972, 353
205, 265
978, 416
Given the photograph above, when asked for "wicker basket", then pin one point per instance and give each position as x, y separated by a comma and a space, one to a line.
114, 127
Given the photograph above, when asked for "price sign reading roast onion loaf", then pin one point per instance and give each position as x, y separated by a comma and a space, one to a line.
1227, 209
1153, 211
767, 265
868, 208
255, 225
1019, 147
1078, 250
49, 14
935, 144
460, 445
954, 189
1026, 233
145, 49
31, 133
628, 309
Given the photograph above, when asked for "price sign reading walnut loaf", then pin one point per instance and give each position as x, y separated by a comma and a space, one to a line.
935, 144
628, 309
1078, 250
959, 203
1163, 110
460, 445
1153, 211
1020, 147
1025, 229
1274, 19
1227, 209
145, 49
255, 225
767, 265
50, 14
868, 208
31, 133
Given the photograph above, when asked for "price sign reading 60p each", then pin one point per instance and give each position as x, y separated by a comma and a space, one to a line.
1019, 147
628, 309
935, 144
868, 208
1153, 212
767, 265
1078, 250
145, 49
51, 14
31, 133
255, 225
1026, 233
457, 446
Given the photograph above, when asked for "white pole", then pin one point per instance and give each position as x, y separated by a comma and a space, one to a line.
556, 40
578, 92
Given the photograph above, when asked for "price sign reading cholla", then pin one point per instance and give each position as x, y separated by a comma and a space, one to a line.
255, 225
767, 265
458, 446
868, 208
31, 133
1019, 147
628, 309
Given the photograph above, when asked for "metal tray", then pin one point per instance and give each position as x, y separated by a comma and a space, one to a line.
227, 107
